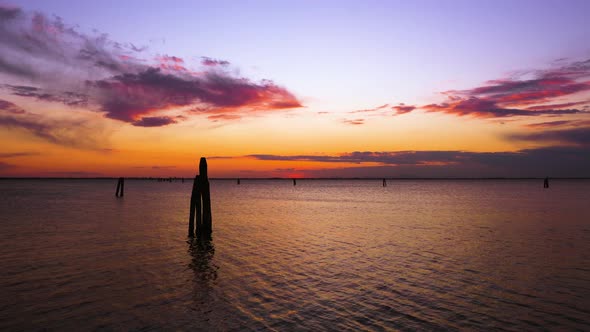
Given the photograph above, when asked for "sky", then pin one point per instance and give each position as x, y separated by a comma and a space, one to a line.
295, 88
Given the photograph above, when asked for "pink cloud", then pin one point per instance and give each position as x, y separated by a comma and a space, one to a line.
512, 97
354, 121
402, 108
117, 82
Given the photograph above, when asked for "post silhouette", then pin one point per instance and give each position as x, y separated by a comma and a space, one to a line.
238, 180
200, 220
294, 182
546, 183
384, 183
120, 188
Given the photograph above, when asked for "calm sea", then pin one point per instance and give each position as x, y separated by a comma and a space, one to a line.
322, 255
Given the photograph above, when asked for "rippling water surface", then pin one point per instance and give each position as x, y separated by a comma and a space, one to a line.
322, 255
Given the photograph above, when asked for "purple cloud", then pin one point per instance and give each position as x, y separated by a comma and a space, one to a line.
562, 161
67, 98
10, 107
575, 136
402, 108
513, 97
205, 61
76, 69
131, 96
78, 133
154, 121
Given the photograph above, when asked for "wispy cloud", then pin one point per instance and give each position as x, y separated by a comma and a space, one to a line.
72, 174
575, 136
72, 132
402, 108
69, 67
17, 154
512, 97
372, 110
384, 158
68, 98
10, 107
560, 123
353, 121
565, 161
225, 117
205, 61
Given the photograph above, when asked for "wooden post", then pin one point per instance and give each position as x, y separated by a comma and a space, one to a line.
191, 214
294, 182
120, 187
546, 183
238, 180
384, 183
200, 206
206, 195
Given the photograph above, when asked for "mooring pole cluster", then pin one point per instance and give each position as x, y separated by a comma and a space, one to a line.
200, 221
120, 187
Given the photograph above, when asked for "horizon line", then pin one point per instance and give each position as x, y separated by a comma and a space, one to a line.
291, 178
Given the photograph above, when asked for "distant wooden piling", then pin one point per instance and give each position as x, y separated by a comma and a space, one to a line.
294, 182
384, 183
200, 219
120, 188
546, 183
238, 180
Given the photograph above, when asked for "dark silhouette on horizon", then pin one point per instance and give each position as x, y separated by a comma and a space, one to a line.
294, 182
384, 183
546, 183
200, 220
238, 180
120, 187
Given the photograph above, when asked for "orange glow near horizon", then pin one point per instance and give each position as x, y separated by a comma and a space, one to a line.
82, 104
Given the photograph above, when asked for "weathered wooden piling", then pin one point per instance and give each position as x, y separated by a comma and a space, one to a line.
294, 182
200, 219
238, 180
384, 183
120, 188
546, 183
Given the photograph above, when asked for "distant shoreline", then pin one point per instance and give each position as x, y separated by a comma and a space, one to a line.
275, 178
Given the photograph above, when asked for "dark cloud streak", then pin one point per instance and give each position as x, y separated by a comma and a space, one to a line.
557, 161
576, 136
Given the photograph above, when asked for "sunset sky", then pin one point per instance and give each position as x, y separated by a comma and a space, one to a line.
295, 89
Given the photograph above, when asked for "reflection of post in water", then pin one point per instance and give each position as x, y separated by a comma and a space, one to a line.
202, 252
